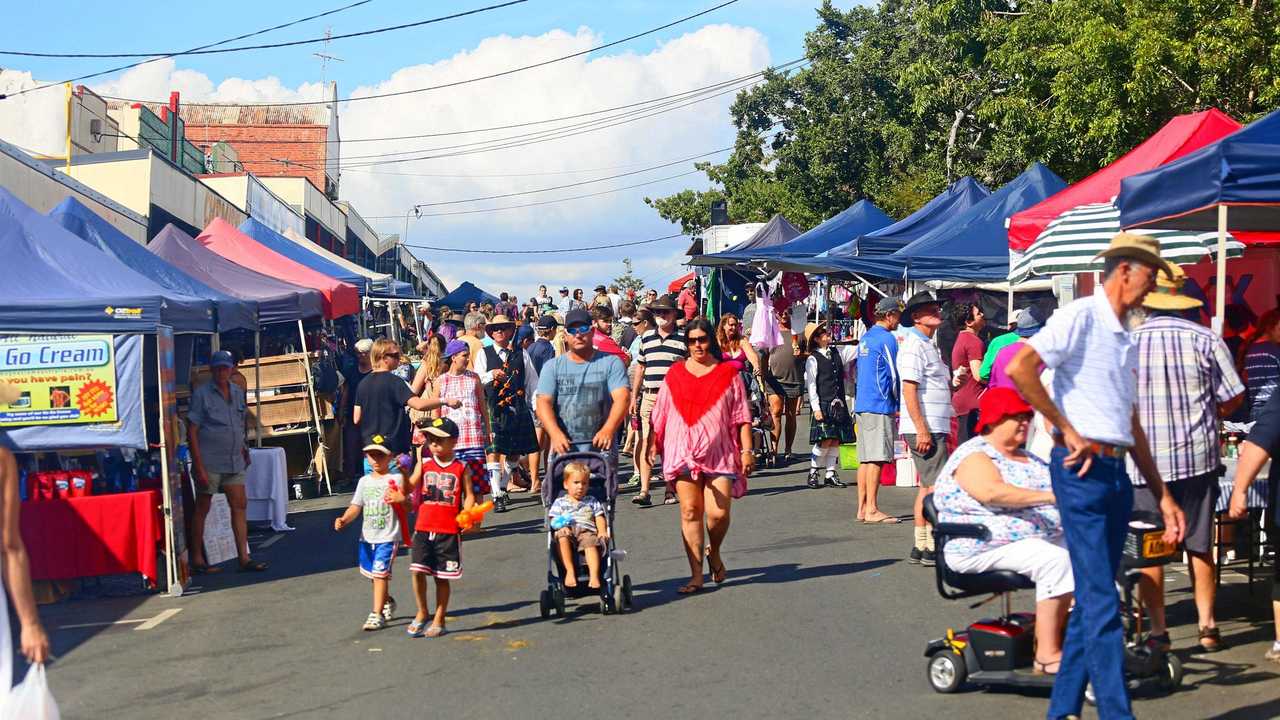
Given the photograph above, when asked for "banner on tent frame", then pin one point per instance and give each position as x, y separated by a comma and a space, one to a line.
63, 379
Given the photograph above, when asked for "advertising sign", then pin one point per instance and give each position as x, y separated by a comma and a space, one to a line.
63, 379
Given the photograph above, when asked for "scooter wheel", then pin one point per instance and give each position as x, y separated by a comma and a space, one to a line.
1171, 676
947, 672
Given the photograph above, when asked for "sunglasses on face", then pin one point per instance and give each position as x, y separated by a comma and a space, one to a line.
500, 328
698, 340
578, 330
391, 354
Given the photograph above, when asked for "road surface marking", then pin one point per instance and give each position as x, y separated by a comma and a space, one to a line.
99, 624
159, 618
270, 541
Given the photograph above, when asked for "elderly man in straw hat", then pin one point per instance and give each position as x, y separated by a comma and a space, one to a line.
1185, 373
1092, 404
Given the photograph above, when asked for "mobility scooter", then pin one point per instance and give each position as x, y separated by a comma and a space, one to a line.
999, 652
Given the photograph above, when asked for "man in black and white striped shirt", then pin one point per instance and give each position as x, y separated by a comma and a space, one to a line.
660, 348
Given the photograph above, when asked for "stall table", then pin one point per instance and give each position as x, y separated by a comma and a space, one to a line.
92, 536
267, 487
1256, 500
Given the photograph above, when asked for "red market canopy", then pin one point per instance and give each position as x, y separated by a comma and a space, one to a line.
679, 282
224, 239
1180, 136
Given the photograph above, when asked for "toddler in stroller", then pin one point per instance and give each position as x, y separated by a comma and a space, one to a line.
582, 559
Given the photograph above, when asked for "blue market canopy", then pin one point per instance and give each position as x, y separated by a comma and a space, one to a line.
232, 313
55, 283
858, 219
463, 294
1242, 171
301, 255
278, 301
775, 233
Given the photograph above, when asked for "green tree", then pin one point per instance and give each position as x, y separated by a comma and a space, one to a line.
628, 280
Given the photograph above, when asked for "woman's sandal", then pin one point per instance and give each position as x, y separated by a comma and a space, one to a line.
205, 569
642, 499
1210, 640
718, 574
1042, 668
415, 628
435, 631
883, 519
689, 589
253, 566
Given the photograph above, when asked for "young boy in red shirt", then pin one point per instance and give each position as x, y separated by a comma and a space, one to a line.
446, 489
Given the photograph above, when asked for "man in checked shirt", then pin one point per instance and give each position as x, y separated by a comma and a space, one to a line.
1186, 381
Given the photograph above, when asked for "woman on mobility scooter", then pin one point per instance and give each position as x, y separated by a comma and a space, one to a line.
990, 480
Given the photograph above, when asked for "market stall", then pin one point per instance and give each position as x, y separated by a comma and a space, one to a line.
304, 255
775, 233
859, 219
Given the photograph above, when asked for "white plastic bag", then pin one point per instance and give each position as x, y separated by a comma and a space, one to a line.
31, 699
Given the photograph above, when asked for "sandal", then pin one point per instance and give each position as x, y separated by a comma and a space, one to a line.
642, 499
1042, 668
718, 574
1210, 640
205, 569
1160, 642
669, 499
435, 631
253, 566
689, 588
415, 628
374, 622
883, 519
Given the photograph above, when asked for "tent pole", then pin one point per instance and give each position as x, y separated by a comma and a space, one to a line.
869, 285
315, 410
172, 562
257, 386
1220, 299
215, 342
1009, 307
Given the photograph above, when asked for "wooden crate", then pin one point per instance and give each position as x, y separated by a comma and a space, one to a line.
288, 409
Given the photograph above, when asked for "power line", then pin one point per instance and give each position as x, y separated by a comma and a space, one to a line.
268, 46
537, 204
570, 185
544, 252
186, 52
456, 83
694, 91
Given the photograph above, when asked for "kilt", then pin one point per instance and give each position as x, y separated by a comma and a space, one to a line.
512, 430
830, 430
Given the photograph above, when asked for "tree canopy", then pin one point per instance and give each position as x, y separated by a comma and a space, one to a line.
899, 100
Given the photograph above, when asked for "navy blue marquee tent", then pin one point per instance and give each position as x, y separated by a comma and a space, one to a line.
463, 294
54, 283
858, 219
232, 313
775, 233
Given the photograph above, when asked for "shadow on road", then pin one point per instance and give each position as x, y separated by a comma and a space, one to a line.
661, 592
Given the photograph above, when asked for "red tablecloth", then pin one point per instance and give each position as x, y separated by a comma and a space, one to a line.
96, 535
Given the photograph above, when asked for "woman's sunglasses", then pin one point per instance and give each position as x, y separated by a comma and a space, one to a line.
698, 340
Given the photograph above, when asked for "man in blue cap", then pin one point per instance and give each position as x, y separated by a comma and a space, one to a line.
219, 456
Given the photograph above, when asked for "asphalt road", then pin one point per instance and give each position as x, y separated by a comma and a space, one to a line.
820, 618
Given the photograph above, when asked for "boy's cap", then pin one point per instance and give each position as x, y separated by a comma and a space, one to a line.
442, 427
376, 445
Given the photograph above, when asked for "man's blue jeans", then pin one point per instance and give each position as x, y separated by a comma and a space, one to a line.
1095, 517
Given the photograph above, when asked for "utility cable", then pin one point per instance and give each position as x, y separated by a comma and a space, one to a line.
613, 246
163, 56
456, 83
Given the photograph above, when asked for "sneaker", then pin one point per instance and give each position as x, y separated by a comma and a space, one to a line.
928, 558
915, 556
374, 622
813, 478
500, 503
389, 609
1272, 655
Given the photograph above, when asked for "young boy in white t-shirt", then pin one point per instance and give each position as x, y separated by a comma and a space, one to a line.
380, 495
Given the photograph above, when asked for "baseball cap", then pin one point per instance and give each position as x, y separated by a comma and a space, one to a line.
377, 443
577, 316
564, 289
441, 427
888, 304
364, 345
600, 288
222, 358
454, 347
547, 322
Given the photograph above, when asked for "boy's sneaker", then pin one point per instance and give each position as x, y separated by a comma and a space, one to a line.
928, 558
1272, 655
374, 622
389, 609
500, 503
915, 557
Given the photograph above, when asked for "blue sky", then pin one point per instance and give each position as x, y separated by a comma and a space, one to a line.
730, 42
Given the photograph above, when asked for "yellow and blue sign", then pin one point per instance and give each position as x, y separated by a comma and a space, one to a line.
62, 379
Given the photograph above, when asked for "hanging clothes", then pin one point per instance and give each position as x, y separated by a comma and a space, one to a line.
765, 333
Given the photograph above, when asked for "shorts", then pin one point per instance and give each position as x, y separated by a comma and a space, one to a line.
376, 559
218, 481
647, 401
930, 464
1044, 561
436, 554
790, 391
1197, 496
586, 538
876, 434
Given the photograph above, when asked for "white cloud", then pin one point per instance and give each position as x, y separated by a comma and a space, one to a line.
709, 55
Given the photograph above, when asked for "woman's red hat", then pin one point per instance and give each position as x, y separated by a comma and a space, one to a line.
997, 404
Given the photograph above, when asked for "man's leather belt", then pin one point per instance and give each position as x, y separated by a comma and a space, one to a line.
1098, 448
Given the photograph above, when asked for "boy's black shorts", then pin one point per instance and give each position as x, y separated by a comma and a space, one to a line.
436, 554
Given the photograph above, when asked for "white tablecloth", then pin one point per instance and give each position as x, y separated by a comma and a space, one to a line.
267, 486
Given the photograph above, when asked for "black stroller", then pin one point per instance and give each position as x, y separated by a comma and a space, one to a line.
615, 588
761, 420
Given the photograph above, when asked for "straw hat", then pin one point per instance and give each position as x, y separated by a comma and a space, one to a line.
500, 319
1143, 248
811, 329
1168, 293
